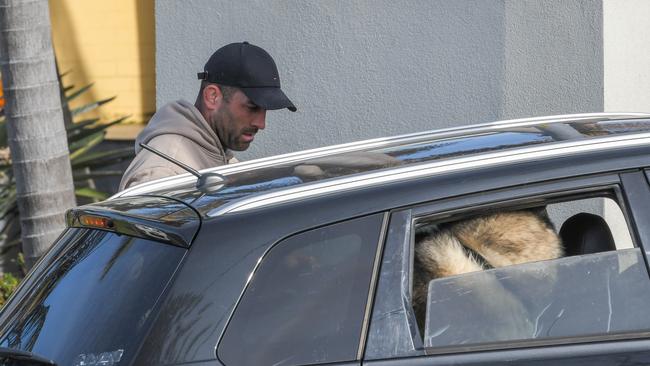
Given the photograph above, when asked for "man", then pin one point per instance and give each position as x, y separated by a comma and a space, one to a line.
240, 82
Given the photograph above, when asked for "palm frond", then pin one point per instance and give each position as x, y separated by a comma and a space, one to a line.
90, 106
83, 136
73, 128
81, 176
88, 192
92, 130
103, 158
77, 93
82, 146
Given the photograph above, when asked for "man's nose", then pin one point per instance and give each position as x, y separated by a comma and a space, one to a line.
260, 120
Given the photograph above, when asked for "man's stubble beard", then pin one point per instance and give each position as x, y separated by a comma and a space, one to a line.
224, 127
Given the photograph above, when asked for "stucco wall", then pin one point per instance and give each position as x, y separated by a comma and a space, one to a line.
554, 57
626, 55
362, 69
626, 41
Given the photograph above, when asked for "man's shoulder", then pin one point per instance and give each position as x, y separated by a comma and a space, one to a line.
180, 104
164, 140
174, 143
187, 151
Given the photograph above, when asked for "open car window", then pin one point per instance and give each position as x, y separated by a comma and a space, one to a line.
549, 268
583, 297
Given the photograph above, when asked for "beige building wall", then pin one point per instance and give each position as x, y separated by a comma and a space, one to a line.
110, 44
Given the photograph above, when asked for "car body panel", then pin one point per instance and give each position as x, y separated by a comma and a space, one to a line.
633, 352
150, 217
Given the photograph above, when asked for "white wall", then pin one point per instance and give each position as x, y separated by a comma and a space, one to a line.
626, 55
626, 47
362, 69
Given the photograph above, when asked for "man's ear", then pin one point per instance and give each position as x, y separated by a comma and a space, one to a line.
212, 97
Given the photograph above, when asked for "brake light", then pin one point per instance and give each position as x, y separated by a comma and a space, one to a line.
96, 221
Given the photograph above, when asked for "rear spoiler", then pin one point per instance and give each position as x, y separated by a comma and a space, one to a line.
150, 217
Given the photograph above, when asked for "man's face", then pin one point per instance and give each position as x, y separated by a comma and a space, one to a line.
237, 121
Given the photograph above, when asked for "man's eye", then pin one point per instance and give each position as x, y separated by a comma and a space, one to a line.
253, 107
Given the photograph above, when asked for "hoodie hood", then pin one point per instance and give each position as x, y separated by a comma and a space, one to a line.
182, 118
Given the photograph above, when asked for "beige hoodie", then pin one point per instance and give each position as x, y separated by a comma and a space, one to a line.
179, 130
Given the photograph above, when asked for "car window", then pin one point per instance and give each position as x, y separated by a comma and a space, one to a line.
605, 207
67, 319
547, 268
307, 299
540, 300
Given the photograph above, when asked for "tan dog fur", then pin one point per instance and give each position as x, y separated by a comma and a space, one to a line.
502, 239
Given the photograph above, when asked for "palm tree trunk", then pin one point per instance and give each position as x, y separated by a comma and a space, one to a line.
36, 133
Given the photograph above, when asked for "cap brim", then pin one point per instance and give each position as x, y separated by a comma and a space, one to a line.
269, 98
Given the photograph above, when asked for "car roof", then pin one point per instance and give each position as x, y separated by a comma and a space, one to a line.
284, 178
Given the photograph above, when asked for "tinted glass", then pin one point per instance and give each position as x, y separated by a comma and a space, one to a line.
94, 301
307, 299
581, 297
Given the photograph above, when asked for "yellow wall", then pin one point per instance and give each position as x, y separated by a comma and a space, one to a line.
111, 44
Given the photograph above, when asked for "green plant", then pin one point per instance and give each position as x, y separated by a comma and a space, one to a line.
8, 284
84, 135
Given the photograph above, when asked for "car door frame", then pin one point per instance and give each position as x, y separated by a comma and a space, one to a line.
632, 190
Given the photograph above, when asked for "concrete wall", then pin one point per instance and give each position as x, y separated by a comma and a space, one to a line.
362, 69
553, 57
626, 47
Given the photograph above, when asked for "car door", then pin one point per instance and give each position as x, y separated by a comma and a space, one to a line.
586, 307
308, 300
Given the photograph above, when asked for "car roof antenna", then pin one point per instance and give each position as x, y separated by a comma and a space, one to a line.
207, 183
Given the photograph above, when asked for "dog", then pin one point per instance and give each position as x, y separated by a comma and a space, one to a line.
478, 243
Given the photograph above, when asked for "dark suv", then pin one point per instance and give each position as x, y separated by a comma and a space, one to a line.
308, 258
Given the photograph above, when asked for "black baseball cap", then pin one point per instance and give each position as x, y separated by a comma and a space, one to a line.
251, 69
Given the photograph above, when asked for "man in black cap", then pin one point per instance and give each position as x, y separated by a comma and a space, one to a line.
239, 83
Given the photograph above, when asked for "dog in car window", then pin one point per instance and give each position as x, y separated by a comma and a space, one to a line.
479, 243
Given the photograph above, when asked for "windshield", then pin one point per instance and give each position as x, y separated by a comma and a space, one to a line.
93, 301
